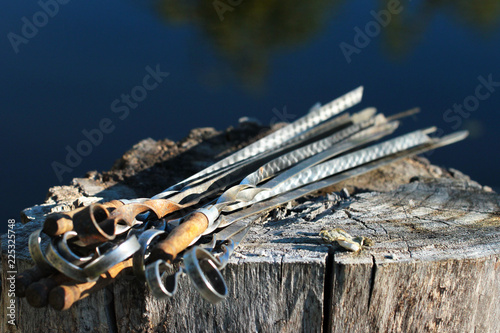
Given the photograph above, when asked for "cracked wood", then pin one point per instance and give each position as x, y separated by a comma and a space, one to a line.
434, 265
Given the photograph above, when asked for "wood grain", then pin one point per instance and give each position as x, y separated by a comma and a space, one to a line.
434, 267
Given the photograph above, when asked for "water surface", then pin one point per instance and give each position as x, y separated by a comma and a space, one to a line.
263, 59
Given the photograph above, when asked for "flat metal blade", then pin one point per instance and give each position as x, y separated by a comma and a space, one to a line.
271, 203
275, 139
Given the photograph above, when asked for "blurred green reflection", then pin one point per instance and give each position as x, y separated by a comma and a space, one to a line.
247, 32
405, 30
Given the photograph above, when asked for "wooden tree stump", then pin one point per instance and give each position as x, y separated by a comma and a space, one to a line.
434, 265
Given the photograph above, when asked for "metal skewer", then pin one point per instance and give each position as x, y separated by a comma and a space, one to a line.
202, 221
92, 245
202, 266
95, 225
103, 222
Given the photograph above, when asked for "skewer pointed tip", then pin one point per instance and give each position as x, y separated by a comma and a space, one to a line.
403, 114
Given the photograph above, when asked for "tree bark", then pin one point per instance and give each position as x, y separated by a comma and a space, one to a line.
434, 265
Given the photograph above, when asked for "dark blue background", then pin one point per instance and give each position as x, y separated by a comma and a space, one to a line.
262, 56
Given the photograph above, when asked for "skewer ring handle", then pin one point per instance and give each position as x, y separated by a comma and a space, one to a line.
36, 252
145, 240
203, 270
160, 283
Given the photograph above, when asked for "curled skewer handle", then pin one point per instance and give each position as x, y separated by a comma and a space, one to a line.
203, 270
160, 207
139, 257
101, 224
28, 277
58, 223
37, 294
180, 238
64, 296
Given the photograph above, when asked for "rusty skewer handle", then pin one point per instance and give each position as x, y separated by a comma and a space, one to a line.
100, 224
58, 223
127, 213
37, 294
28, 277
180, 238
62, 297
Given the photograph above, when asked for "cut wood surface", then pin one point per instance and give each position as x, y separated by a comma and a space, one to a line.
434, 264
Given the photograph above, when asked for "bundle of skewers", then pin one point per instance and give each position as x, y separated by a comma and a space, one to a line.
194, 226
